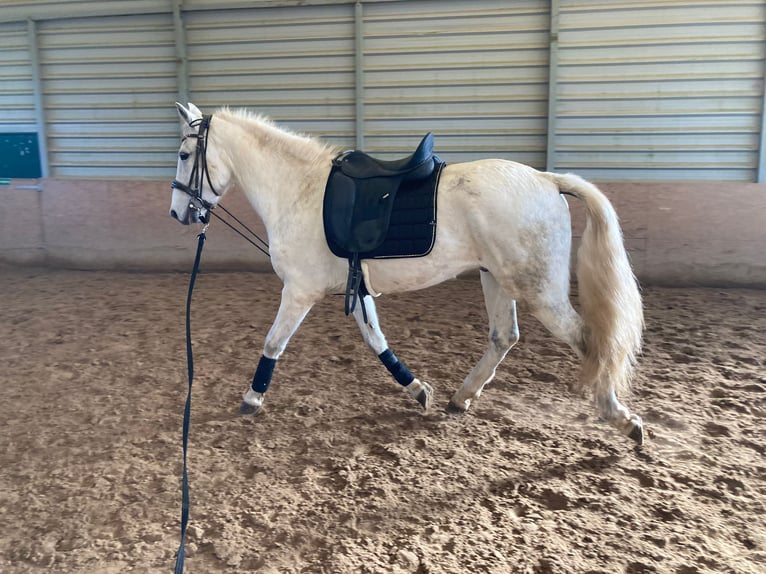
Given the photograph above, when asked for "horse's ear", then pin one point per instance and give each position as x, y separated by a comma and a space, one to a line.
190, 114
184, 114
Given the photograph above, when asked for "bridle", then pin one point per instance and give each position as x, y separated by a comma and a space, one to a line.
199, 173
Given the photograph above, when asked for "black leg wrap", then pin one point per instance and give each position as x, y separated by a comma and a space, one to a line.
398, 370
263, 373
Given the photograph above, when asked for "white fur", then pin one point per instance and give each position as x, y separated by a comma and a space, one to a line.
501, 216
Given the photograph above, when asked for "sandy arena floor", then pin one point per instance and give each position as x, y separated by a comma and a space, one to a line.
343, 473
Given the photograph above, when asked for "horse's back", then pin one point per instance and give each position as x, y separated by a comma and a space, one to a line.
502, 194
491, 213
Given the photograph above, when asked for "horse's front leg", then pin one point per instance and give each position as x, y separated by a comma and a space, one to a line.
293, 308
376, 341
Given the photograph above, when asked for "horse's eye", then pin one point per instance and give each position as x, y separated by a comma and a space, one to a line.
184, 155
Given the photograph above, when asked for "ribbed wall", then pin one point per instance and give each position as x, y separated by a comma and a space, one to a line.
108, 87
660, 89
475, 73
17, 106
295, 65
645, 89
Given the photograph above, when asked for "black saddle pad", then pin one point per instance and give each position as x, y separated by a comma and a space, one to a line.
411, 227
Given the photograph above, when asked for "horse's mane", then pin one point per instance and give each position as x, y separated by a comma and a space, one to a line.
289, 141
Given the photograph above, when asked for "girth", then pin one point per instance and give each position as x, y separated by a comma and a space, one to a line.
380, 209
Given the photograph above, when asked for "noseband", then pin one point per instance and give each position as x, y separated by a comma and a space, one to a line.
199, 172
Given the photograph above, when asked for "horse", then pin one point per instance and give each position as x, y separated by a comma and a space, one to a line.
507, 220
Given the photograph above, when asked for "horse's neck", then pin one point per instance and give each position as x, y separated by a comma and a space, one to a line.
277, 170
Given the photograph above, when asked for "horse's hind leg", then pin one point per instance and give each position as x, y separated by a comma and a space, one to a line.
551, 306
376, 341
503, 334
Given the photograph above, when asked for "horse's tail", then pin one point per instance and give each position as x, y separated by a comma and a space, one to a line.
608, 292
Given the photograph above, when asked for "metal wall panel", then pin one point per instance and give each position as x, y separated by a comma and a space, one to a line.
660, 89
474, 73
293, 64
18, 10
646, 89
109, 86
17, 104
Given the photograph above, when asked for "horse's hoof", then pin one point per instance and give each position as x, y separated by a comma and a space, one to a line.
248, 409
452, 408
637, 434
425, 398
421, 392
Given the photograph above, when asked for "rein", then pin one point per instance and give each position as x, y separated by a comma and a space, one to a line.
179, 567
193, 189
263, 249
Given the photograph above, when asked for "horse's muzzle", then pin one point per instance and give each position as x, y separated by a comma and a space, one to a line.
196, 212
193, 215
184, 221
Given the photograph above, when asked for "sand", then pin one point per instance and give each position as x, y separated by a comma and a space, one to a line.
343, 473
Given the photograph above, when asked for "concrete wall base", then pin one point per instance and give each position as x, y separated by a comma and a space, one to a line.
677, 233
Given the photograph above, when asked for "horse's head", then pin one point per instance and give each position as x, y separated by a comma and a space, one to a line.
201, 176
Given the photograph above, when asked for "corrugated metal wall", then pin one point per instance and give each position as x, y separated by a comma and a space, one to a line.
295, 65
57, 9
108, 87
17, 107
660, 89
644, 89
475, 73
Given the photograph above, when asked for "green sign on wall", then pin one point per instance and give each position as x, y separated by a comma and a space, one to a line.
19, 155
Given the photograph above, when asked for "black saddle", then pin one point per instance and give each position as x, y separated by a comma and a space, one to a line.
375, 208
359, 165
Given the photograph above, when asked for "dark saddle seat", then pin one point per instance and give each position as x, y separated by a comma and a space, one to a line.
362, 196
359, 165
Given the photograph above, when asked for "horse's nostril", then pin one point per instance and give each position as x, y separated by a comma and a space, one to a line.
173, 214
